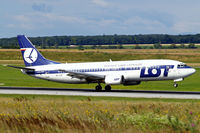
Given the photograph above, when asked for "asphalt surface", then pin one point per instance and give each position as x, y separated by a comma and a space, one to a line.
92, 92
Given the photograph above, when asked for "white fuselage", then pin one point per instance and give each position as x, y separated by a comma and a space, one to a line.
136, 70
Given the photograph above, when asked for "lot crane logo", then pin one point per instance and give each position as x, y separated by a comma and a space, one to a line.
30, 55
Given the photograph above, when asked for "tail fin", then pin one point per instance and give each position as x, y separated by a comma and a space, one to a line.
31, 56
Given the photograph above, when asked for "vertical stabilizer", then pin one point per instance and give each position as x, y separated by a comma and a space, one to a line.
31, 56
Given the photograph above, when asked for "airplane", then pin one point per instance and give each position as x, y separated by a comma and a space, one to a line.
111, 72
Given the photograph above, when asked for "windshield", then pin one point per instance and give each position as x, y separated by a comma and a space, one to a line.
182, 66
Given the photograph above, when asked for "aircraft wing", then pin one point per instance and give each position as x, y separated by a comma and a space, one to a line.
84, 75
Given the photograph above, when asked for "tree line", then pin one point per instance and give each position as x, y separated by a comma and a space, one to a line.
55, 41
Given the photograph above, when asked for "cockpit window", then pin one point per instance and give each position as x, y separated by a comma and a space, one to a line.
181, 66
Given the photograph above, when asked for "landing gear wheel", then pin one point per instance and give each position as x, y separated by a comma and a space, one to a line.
175, 85
98, 88
108, 88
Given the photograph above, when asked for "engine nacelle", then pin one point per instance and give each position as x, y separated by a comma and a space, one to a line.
131, 82
114, 79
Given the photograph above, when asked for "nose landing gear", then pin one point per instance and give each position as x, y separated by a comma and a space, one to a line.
177, 80
175, 85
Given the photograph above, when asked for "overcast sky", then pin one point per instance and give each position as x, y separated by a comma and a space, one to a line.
98, 17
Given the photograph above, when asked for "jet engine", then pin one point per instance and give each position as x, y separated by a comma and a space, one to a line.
114, 79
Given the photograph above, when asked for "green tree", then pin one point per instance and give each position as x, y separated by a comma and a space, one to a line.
73, 41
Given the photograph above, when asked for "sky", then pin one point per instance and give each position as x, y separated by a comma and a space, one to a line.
98, 17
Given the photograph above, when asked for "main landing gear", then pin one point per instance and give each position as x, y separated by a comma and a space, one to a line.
107, 88
175, 85
99, 88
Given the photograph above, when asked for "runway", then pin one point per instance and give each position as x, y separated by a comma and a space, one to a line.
92, 92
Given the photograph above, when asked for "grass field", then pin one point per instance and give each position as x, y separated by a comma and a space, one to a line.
185, 55
89, 114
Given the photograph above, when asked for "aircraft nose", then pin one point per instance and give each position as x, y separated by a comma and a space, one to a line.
193, 71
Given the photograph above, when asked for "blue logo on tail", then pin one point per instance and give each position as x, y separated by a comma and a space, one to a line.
30, 54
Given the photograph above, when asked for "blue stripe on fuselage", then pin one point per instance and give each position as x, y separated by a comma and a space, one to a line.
101, 69
88, 70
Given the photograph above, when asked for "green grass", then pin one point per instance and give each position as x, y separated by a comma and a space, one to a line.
14, 77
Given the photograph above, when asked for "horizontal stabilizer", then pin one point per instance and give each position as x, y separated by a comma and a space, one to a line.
24, 68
